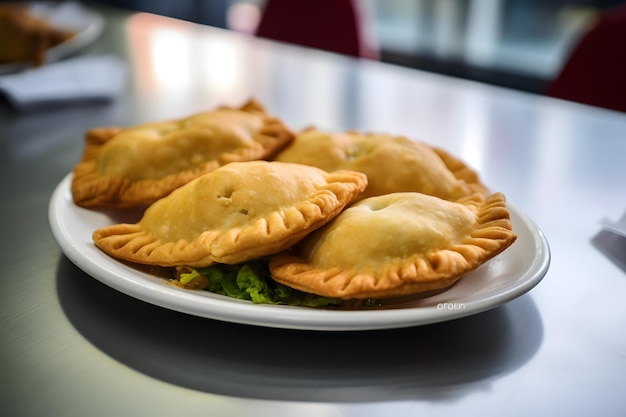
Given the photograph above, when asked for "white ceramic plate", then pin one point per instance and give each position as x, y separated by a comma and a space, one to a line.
70, 15
504, 278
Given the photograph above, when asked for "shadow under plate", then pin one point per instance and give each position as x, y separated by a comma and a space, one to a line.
438, 361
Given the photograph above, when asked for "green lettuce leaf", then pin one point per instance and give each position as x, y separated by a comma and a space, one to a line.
252, 281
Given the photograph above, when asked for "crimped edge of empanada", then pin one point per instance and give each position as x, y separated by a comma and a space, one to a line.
421, 272
462, 171
92, 190
466, 175
266, 236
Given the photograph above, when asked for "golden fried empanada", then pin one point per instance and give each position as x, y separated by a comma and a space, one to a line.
26, 37
238, 212
397, 244
392, 163
137, 166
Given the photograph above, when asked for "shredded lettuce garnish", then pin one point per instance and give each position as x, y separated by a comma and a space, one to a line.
250, 281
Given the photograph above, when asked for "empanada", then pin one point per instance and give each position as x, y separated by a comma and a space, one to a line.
137, 166
26, 37
397, 244
236, 213
392, 163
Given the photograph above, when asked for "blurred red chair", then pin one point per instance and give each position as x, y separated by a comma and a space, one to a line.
595, 72
332, 25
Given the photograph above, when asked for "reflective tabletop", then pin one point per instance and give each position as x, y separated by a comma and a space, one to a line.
72, 346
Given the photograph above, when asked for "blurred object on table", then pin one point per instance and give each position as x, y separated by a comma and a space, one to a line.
611, 240
333, 25
37, 33
25, 37
71, 81
595, 72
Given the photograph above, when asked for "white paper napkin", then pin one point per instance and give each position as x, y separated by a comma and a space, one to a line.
88, 78
618, 227
611, 241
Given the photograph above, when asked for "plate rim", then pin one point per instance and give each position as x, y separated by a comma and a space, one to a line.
212, 306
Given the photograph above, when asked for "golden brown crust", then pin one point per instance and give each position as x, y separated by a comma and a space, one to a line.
25, 37
110, 175
391, 163
236, 213
475, 230
462, 171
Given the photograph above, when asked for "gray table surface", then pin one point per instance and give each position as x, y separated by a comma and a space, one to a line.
71, 346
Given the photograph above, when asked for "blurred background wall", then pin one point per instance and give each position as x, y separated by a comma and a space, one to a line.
521, 44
